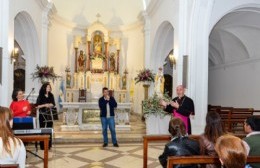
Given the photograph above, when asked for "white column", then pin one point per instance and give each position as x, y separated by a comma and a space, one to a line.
199, 32
48, 11
7, 43
147, 41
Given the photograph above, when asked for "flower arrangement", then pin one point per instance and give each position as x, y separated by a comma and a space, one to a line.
145, 75
67, 69
152, 105
44, 74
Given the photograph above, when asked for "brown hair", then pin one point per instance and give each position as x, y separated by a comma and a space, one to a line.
213, 128
231, 151
177, 127
6, 131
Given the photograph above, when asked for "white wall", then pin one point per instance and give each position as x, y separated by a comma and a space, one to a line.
235, 86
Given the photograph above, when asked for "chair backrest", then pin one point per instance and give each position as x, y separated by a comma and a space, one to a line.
23, 123
201, 159
82, 95
9, 166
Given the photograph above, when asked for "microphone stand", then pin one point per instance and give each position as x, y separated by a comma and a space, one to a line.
30, 93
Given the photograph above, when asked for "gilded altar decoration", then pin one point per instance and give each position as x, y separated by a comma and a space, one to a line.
44, 74
81, 61
159, 83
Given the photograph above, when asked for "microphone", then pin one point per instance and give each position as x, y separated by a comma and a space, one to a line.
30, 93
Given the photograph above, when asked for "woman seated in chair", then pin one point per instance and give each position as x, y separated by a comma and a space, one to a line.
19, 106
45, 102
180, 144
213, 130
12, 150
231, 151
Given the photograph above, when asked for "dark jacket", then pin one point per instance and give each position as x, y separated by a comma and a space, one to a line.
181, 146
103, 106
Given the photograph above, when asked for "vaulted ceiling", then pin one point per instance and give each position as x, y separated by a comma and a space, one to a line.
112, 12
235, 37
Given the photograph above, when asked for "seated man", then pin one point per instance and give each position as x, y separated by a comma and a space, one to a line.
252, 140
180, 144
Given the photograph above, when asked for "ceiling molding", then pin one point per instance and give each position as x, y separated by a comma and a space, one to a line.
153, 6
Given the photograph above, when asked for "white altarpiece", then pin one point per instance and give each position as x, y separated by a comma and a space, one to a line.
96, 66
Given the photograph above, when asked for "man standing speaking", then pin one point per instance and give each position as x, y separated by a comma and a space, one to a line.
181, 107
107, 105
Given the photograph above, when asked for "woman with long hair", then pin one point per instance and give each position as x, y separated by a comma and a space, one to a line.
19, 106
12, 150
45, 102
180, 144
213, 130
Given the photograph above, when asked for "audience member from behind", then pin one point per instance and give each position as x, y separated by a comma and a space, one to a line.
180, 144
252, 140
12, 150
213, 130
231, 151
19, 106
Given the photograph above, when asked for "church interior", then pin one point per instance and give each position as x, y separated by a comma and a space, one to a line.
208, 47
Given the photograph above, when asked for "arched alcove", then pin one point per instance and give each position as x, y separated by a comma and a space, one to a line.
163, 44
26, 36
234, 59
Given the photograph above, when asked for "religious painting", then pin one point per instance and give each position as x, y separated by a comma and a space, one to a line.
1, 51
97, 57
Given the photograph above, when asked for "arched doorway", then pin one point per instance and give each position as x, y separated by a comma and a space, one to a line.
25, 36
163, 45
234, 59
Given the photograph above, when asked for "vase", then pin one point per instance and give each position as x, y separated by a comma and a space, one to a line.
146, 86
157, 124
44, 80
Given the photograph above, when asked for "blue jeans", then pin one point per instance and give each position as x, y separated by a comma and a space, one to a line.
111, 123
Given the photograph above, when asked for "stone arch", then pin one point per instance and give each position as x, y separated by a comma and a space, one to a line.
26, 36
163, 44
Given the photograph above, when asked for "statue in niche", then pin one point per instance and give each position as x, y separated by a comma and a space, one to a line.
81, 61
159, 83
97, 44
112, 62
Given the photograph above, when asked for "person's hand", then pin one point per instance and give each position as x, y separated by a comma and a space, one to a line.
163, 103
25, 108
28, 113
107, 97
175, 104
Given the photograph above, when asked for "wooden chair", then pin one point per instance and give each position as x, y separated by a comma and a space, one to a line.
82, 95
9, 165
201, 159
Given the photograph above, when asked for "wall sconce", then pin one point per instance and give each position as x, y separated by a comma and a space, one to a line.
172, 59
14, 55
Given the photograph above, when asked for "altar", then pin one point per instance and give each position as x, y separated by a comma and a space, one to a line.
96, 64
85, 116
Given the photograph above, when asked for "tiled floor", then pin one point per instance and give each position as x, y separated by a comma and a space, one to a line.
94, 156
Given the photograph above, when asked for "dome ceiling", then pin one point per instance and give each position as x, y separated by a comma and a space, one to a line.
112, 12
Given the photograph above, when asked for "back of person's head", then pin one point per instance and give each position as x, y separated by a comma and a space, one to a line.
213, 128
231, 151
15, 93
5, 127
177, 127
253, 122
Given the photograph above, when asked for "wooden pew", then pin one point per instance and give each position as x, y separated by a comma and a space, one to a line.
175, 160
9, 165
157, 138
